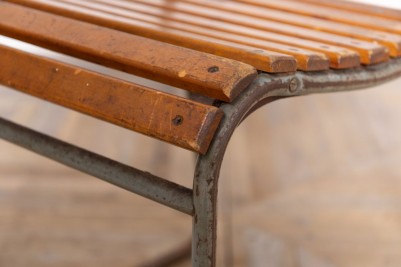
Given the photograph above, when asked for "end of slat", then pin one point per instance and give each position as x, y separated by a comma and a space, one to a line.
315, 63
282, 63
375, 56
346, 61
208, 131
244, 77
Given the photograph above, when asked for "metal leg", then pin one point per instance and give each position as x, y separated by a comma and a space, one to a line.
266, 88
208, 167
202, 200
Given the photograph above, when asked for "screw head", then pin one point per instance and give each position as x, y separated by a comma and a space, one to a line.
178, 120
294, 84
213, 69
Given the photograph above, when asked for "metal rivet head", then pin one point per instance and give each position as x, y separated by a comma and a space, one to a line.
293, 85
213, 69
178, 120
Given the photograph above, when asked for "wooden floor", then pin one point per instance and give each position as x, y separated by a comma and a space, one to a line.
313, 181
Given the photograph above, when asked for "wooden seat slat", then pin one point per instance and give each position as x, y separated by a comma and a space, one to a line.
391, 41
307, 60
359, 7
331, 14
339, 57
371, 53
173, 119
268, 61
177, 66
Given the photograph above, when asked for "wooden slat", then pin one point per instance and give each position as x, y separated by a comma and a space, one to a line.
261, 59
339, 57
307, 60
359, 7
370, 22
176, 120
391, 41
172, 65
370, 52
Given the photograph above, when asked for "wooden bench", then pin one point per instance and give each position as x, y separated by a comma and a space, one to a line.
232, 57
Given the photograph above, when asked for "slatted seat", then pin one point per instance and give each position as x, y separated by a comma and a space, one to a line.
231, 56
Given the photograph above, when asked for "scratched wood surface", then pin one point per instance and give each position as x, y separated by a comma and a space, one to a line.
315, 181
184, 68
264, 60
281, 28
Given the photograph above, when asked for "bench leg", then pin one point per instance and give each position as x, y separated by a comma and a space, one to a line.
205, 188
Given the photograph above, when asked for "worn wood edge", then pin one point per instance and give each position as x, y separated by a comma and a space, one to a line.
389, 40
197, 138
335, 56
216, 86
347, 61
368, 55
274, 62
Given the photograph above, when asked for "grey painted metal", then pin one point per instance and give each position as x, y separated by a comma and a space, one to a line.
131, 179
265, 89
202, 200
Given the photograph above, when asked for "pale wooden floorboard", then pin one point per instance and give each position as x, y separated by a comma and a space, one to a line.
315, 181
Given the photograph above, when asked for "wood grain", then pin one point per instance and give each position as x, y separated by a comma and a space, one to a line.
268, 61
307, 60
370, 53
172, 65
176, 120
327, 13
391, 41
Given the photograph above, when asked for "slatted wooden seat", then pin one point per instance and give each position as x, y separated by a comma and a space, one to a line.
232, 56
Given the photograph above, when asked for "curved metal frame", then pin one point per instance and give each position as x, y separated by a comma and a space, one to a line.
201, 201
265, 89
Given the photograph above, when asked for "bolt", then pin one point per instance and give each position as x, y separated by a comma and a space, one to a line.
178, 120
213, 69
293, 85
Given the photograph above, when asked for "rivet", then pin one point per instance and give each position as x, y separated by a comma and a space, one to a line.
178, 120
213, 69
293, 85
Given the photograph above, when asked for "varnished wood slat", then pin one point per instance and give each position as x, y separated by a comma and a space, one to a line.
370, 52
172, 65
359, 7
176, 120
261, 59
307, 60
391, 41
339, 57
353, 18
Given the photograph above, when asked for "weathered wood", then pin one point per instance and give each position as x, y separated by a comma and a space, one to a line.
339, 57
172, 65
370, 53
352, 18
307, 60
359, 7
261, 59
391, 41
176, 120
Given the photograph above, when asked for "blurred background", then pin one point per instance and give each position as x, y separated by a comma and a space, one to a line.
311, 182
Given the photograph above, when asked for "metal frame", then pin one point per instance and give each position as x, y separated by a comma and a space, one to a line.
201, 201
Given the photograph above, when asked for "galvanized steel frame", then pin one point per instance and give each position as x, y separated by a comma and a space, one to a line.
201, 201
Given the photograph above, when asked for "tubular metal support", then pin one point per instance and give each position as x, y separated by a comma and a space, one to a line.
131, 179
265, 89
